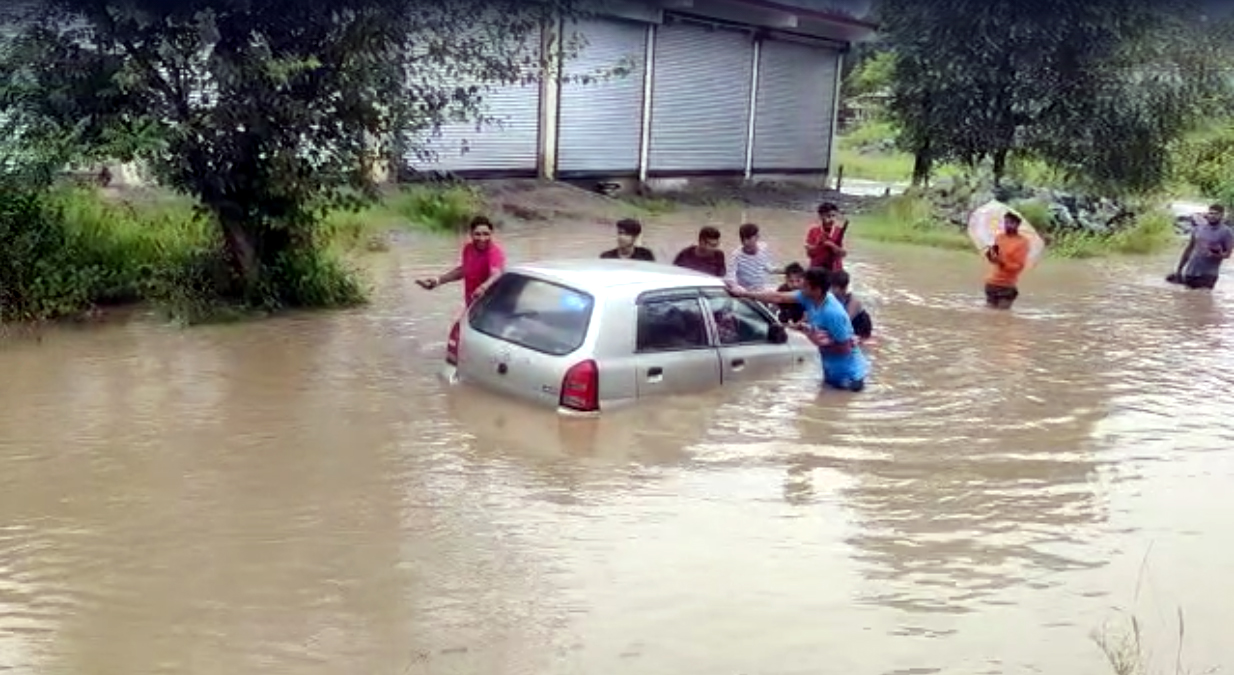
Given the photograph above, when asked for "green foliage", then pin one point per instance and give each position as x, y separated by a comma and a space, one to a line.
872, 135
437, 209
873, 74
914, 218
1205, 161
1151, 232
271, 114
909, 218
64, 251
1096, 89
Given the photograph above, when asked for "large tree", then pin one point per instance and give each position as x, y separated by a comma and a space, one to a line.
1071, 82
269, 112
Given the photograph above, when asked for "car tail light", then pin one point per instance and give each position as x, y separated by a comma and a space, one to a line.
452, 345
580, 388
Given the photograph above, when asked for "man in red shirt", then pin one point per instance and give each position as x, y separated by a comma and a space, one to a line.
825, 239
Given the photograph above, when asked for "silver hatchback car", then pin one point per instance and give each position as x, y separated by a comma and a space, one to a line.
590, 335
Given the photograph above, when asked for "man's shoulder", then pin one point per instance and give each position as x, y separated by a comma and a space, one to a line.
611, 253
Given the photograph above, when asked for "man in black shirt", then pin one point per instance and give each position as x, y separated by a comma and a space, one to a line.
628, 231
794, 276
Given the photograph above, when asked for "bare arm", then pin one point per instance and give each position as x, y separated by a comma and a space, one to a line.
492, 276
1182, 261
772, 297
429, 283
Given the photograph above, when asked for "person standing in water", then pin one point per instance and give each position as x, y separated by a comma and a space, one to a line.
791, 313
1008, 257
1211, 243
705, 256
482, 261
827, 326
628, 231
863, 325
751, 266
825, 239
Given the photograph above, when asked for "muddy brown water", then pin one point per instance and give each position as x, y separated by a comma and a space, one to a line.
301, 495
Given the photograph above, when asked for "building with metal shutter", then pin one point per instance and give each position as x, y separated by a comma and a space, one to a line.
700, 100
599, 113
794, 106
702, 88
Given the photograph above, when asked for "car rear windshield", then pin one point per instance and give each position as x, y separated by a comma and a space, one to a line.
532, 313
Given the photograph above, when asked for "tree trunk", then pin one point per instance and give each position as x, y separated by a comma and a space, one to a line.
1000, 165
243, 258
923, 166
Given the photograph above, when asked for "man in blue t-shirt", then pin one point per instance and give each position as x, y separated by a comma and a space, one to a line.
828, 326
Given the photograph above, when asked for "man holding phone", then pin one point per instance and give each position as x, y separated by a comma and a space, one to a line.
1211, 242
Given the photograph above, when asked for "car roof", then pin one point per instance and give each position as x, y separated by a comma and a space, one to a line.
595, 275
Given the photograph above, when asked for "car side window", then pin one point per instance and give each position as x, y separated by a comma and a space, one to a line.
738, 322
669, 325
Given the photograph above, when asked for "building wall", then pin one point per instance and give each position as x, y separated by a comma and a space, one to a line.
682, 97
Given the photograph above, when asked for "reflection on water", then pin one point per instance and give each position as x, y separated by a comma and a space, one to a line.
301, 495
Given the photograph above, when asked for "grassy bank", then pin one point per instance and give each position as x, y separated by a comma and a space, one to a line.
71, 251
911, 219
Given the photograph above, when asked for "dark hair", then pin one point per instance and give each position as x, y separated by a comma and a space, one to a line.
746, 231
793, 269
1013, 218
818, 278
708, 233
480, 221
629, 226
827, 207
839, 279
1217, 207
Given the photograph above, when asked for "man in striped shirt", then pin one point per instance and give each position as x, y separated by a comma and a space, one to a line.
752, 266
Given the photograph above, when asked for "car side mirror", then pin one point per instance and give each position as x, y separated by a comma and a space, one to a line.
778, 334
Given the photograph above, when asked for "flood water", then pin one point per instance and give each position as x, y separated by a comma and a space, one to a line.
301, 495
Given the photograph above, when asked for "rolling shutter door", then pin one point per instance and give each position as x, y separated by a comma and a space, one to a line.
600, 122
509, 142
794, 107
700, 102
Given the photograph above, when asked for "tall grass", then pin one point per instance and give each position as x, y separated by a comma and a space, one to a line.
68, 251
912, 218
436, 209
909, 219
1150, 232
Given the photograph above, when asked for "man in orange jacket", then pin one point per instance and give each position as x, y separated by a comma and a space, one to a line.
1008, 257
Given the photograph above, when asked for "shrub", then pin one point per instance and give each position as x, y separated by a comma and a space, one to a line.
66, 251
439, 209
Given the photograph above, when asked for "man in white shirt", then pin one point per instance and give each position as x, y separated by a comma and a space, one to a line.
752, 266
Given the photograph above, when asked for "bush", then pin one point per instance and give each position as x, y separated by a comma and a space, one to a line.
913, 218
67, 251
438, 209
909, 218
1205, 161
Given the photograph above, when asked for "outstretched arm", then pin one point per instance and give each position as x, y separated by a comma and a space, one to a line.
772, 297
429, 283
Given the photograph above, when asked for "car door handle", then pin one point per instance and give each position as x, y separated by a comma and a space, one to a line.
655, 371
739, 363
